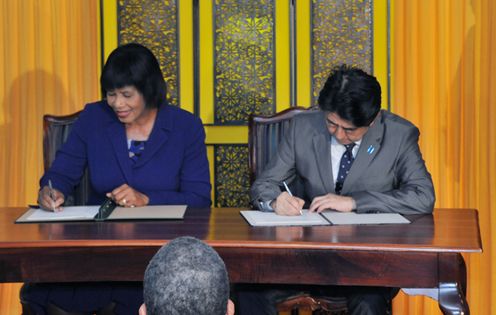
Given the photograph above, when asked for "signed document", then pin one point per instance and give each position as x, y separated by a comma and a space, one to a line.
88, 213
342, 218
260, 218
78, 213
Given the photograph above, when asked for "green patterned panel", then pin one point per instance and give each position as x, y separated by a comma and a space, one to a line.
153, 23
232, 183
244, 59
341, 33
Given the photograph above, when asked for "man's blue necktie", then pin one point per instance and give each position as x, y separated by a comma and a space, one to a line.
344, 167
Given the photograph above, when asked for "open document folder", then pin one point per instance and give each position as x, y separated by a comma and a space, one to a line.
260, 218
89, 213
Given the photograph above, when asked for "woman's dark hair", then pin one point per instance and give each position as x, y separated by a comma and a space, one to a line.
352, 94
134, 64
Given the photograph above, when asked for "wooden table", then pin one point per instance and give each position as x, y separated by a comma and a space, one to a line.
424, 254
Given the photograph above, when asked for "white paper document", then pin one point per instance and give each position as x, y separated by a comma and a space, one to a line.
88, 213
260, 218
149, 213
68, 214
342, 218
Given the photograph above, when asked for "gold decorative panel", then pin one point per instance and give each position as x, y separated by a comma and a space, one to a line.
341, 33
153, 23
228, 62
232, 183
244, 59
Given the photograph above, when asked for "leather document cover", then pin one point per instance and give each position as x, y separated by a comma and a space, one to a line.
90, 213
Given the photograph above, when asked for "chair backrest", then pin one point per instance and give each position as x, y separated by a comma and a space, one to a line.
264, 135
56, 130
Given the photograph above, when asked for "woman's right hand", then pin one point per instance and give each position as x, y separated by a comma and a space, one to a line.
50, 200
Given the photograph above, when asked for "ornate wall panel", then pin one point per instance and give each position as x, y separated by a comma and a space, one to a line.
232, 181
240, 37
244, 59
341, 33
153, 23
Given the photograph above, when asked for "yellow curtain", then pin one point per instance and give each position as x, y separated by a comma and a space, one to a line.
50, 63
443, 65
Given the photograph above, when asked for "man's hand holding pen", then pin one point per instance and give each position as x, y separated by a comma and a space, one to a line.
50, 199
285, 204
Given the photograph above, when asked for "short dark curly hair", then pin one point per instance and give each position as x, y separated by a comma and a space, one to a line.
186, 277
135, 65
352, 94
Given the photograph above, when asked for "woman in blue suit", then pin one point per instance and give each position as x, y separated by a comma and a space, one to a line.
139, 151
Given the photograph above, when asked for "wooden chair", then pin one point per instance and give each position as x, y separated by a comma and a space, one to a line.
264, 135
56, 130
317, 305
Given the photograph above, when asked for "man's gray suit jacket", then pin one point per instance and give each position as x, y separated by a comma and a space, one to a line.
388, 174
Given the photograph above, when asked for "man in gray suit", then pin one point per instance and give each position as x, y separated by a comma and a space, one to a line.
350, 156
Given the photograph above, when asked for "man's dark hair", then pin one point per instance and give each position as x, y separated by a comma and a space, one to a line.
352, 94
134, 64
186, 277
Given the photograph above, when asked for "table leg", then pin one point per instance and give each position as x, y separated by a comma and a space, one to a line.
452, 284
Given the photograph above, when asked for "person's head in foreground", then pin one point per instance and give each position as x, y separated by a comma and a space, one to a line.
186, 277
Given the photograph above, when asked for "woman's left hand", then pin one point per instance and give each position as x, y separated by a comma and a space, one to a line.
127, 196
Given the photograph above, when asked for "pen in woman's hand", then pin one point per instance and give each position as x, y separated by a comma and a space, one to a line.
51, 194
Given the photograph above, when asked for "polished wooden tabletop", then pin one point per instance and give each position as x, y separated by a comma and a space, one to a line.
423, 254
447, 230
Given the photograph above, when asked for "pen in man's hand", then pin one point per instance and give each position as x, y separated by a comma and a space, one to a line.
51, 194
289, 192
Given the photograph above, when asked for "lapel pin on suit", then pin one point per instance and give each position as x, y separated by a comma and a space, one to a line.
370, 149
